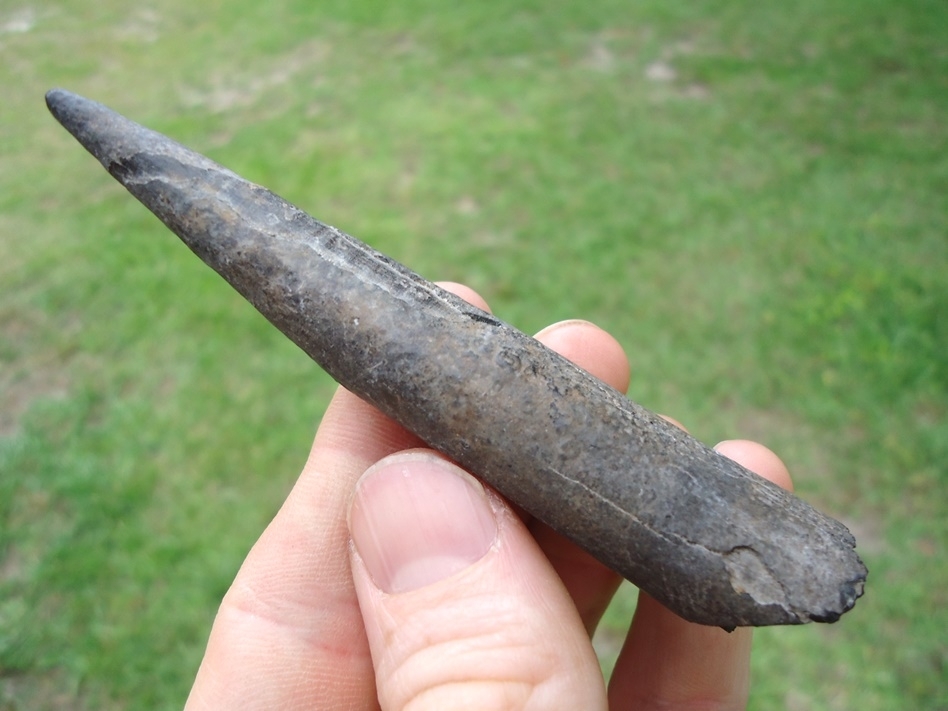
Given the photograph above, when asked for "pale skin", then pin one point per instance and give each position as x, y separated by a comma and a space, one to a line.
391, 579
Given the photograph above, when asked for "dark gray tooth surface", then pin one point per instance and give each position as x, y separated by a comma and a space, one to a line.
715, 543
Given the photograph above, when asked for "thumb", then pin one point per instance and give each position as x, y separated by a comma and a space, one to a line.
461, 608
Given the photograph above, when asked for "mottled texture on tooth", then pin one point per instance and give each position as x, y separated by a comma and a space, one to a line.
713, 542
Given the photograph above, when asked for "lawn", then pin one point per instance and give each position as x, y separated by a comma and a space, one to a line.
749, 195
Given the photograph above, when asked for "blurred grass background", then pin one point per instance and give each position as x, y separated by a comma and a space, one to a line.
750, 195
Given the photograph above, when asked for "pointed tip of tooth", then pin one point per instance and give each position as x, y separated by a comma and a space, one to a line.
101, 131
75, 113
55, 97
57, 94
126, 149
65, 106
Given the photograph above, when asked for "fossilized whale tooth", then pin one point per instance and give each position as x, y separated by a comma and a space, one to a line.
713, 542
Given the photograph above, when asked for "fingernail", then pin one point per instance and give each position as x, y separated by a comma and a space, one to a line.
563, 324
417, 519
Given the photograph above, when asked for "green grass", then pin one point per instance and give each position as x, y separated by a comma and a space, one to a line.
764, 229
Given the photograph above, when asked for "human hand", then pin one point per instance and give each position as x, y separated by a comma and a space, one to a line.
391, 578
